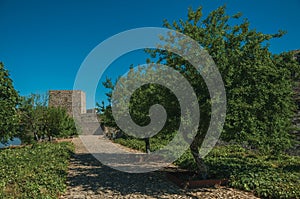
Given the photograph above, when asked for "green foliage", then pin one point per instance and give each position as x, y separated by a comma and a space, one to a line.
9, 99
132, 143
38, 120
258, 84
266, 176
59, 123
32, 111
105, 115
37, 171
142, 99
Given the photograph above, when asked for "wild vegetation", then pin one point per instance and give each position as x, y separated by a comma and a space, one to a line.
29, 118
38, 121
38, 170
34, 171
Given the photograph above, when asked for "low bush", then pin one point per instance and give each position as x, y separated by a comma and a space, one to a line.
266, 176
139, 144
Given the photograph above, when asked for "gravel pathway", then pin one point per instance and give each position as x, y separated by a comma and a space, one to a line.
88, 178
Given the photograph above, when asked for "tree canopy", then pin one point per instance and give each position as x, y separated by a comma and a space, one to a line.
38, 121
258, 83
9, 99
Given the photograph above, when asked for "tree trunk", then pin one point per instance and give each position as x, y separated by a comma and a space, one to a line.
36, 137
202, 168
147, 145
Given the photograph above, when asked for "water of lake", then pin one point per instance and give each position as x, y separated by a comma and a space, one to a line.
14, 142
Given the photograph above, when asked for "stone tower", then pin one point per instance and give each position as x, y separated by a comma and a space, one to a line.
73, 101
75, 104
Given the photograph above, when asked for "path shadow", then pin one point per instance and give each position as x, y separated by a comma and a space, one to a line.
93, 176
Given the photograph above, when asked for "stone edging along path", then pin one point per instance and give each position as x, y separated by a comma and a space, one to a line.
88, 179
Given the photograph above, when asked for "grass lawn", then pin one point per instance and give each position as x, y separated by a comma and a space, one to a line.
37, 171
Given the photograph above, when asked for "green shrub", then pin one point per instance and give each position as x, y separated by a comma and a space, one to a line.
266, 176
59, 123
156, 143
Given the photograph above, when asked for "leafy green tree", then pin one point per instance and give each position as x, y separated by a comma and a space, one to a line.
258, 83
39, 121
25, 111
105, 112
9, 99
141, 101
33, 112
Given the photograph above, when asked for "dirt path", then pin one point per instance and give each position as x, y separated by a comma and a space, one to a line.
88, 178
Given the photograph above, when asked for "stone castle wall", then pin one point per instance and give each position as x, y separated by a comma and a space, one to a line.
75, 104
73, 101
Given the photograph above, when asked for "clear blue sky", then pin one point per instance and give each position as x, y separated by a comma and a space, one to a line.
43, 43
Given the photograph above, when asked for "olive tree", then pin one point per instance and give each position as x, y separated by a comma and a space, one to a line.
258, 83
